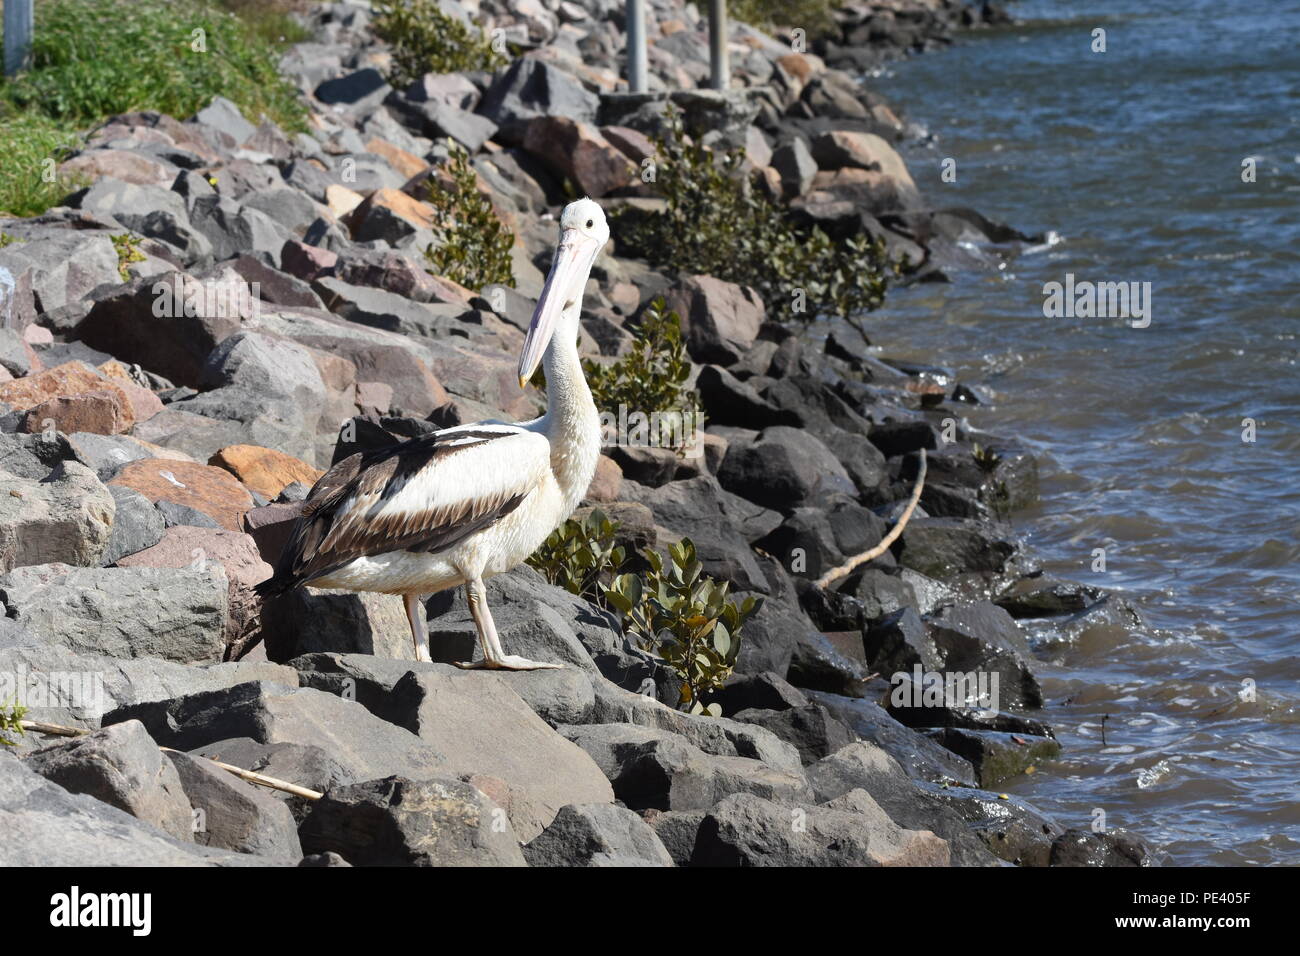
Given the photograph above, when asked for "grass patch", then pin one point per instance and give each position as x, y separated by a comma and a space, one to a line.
92, 59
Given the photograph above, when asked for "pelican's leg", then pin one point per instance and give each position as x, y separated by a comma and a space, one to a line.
419, 628
494, 656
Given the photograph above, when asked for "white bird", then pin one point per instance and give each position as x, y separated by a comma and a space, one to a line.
460, 505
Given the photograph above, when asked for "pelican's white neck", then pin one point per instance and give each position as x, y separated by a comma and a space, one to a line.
571, 422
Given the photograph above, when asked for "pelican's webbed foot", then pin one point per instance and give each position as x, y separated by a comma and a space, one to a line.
510, 662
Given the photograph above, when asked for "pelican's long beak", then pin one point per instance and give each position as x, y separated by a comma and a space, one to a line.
563, 290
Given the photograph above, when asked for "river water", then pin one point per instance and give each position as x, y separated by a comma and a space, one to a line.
1134, 158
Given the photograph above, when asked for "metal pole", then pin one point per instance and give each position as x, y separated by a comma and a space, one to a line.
637, 68
719, 66
18, 35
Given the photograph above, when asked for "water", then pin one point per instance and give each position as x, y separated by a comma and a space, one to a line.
1134, 157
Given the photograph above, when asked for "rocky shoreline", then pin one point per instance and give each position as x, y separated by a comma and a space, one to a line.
155, 456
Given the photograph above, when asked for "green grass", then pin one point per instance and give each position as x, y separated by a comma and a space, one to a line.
92, 59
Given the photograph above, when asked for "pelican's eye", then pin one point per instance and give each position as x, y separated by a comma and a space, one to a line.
590, 223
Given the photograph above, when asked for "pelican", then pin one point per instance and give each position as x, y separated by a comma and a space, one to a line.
460, 505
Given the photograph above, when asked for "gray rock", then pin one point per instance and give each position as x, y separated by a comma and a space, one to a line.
364, 746
64, 687
996, 756
232, 228
230, 814
388, 310
172, 613
66, 517
810, 728
1112, 848
864, 766
745, 830
484, 727
288, 207
224, 116
657, 769
358, 92
137, 524
398, 822
783, 469
696, 508
532, 88
64, 268
47, 826
310, 620
123, 767
174, 514
436, 119
1010, 828
796, 167
597, 835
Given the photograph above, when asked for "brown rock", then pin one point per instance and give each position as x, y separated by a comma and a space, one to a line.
213, 491
375, 395
264, 470
633, 144
104, 411
306, 262
70, 378
578, 151
607, 484
839, 148
405, 163
144, 403
373, 218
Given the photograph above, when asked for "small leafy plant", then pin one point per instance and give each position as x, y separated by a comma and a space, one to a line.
471, 244
673, 610
427, 40
127, 252
11, 722
581, 556
684, 616
717, 224
7, 240
652, 376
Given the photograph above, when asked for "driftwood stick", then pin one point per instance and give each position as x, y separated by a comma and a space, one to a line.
833, 575
252, 776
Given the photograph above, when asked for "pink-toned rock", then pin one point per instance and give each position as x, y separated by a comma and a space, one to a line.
375, 395
633, 144
38, 335
720, 320
184, 546
578, 151
389, 214
144, 403
270, 527
306, 262
122, 164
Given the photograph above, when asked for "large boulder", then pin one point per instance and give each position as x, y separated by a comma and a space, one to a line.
440, 821
230, 814
597, 835
783, 469
661, 770
173, 613
720, 320
745, 830
45, 825
123, 767
531, 88
65, 518
483, 727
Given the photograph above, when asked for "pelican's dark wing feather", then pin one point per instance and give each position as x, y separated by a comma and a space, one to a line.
424, 495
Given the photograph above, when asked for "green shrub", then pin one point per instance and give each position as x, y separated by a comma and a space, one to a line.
683, 615
426, 40
11, 721
652, 376
581, 556
816, 17
95, 58
471, 244
673, 610
717, 224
